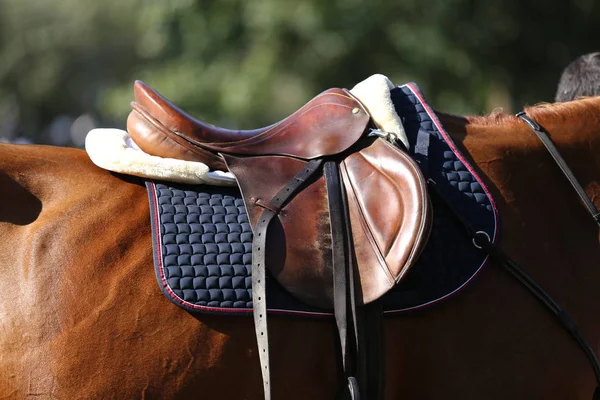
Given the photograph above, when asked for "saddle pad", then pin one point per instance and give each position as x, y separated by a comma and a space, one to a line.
202, 239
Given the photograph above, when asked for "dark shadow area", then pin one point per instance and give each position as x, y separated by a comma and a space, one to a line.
17, 205
131, 179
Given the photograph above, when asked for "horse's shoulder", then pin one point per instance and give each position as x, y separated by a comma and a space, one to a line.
59, 171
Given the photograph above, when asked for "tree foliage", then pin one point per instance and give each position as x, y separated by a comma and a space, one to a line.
241, 63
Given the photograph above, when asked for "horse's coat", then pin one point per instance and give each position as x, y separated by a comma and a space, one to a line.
73, 239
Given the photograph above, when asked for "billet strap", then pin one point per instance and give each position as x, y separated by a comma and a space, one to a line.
344, 303
482, 241
339, 245
562, 165
360, 330
259, 251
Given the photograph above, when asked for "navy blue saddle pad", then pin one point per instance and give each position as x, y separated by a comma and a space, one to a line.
203, 241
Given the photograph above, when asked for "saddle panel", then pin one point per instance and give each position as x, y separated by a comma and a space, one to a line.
390, 215
328, 124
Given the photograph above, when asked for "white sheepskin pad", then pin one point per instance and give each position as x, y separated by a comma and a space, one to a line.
374, 94
113, 149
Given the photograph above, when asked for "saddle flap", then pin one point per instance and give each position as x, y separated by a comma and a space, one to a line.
390, 214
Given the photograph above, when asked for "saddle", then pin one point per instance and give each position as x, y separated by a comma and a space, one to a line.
327, 125
370, 215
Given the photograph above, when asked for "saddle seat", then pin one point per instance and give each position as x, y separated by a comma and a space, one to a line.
327, 125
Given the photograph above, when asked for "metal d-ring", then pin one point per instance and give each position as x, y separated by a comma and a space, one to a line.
389, 136
489, 240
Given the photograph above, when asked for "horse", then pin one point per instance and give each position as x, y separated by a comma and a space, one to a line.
81, 315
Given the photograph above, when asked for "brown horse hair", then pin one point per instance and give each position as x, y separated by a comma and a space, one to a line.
580, 108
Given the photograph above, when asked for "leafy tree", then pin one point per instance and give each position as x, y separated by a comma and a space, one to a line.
248, 63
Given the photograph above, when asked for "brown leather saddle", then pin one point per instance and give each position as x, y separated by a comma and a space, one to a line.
327, 203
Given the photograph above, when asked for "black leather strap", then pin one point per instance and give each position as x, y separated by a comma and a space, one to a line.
373, 348
259, 249
344, 308
421, 151
360, 330
562, 165
339, 247
366, 329
498, 255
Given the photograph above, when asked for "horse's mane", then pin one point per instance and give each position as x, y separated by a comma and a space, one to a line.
585, 107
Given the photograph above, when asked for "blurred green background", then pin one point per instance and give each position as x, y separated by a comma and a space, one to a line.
68, 65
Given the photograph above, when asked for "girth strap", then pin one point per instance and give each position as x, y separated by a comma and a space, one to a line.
562, 165
259, 251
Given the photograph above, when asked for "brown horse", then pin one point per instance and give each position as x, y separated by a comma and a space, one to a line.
81, 315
